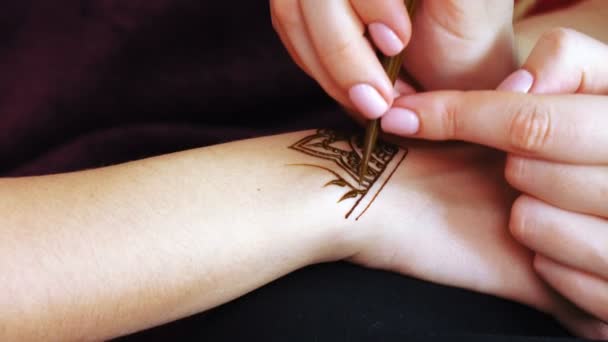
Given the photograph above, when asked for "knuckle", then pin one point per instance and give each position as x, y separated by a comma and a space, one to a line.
285, 12
273, 19
515, 170
558, 41
274, 23
343, 50
449, 123
602, 194
602, 257
603, 333
596, 253
519, 222
599, 331
530, 129
557, 53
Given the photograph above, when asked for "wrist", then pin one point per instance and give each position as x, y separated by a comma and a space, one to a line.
331, 198
286, 202
323, 229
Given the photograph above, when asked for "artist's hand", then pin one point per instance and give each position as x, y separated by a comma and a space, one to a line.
459, 44
558, 157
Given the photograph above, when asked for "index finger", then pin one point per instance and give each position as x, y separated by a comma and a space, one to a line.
565, 128
338, 35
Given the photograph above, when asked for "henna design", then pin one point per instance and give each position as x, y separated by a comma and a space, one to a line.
345, 152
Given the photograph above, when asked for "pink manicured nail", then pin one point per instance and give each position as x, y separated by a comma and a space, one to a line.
368, 101
400, 121
385, 39
519, 82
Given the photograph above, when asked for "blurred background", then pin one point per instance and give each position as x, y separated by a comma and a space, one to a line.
86, 83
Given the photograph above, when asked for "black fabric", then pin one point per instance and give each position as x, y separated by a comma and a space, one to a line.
344, 302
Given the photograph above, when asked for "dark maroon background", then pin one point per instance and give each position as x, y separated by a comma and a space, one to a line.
86, 83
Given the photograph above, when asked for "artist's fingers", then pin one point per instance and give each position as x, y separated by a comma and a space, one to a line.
573, 239
337, 34
289, 23
566, 128
563, 61
579, 188
285, 40
571, 256
587, 291
387, 21
402, 88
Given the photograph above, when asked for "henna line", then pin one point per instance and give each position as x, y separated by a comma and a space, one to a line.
340, 177
331, 157
337, 156
356, 204
383, 184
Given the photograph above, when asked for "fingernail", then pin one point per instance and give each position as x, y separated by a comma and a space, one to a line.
368, 101
400, 121
519, 82
385, 39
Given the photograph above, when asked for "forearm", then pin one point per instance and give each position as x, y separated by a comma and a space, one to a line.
105, 252
588, 17
101, 253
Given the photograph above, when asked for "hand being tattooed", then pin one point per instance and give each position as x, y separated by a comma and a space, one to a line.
556, 138
435, 212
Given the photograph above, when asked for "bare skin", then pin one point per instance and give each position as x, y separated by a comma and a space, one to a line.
101, 253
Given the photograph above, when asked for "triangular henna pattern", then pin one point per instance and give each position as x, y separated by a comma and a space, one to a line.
342, 154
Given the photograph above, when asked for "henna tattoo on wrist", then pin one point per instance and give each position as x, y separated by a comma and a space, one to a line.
341, 155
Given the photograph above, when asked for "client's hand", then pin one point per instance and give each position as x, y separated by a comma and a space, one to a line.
445, 219
558, 160
455, 43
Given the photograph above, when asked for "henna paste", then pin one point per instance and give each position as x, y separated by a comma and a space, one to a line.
341, 156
